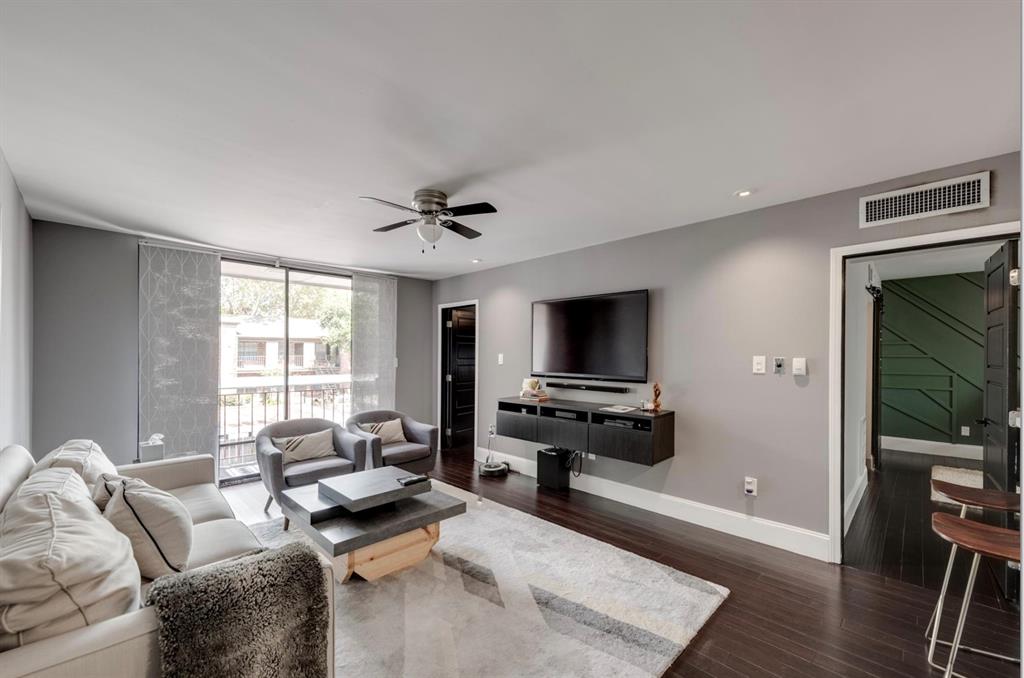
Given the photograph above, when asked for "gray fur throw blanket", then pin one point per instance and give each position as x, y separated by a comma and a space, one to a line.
258, 616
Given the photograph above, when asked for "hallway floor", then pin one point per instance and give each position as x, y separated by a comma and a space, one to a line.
891, 532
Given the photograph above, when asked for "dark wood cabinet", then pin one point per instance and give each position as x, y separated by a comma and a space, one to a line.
521, 426
637, 437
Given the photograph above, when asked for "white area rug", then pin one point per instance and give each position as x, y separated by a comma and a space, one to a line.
507, 594
960, 476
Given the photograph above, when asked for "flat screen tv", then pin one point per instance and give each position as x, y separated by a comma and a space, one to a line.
597, 337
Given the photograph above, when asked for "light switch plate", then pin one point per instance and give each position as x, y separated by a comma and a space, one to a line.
760, 363
799, 367
501, 358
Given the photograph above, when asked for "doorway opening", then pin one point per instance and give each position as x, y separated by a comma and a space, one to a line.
457, 397
929, 377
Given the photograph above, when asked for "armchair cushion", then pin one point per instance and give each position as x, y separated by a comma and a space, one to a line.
400, 453
306, 446
312, 470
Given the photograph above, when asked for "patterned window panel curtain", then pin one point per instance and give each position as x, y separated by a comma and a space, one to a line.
179, 335
374, 340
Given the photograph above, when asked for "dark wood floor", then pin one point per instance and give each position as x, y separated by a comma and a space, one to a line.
786, 616
891, 532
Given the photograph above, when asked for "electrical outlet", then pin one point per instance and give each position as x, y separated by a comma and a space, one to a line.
965, 431
778, 365
501, 358
759, 364
490, 430
750, 486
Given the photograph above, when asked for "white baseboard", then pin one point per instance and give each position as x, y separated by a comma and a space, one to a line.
932, 447
781, 535
853, 501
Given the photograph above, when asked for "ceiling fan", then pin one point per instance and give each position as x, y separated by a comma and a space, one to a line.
433, 215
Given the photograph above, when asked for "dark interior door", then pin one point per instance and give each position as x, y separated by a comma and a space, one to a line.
1001, 395
458, 387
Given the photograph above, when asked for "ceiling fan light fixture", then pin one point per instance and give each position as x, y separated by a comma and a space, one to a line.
428, 230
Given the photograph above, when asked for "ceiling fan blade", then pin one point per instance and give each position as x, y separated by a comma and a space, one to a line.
464, 231
474, 208
391, 227
389, 204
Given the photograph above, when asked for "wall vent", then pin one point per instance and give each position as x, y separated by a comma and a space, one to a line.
948, 196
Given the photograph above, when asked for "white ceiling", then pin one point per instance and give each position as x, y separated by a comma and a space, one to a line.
255, 125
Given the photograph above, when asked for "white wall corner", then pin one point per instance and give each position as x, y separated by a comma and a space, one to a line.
853, 500
780, 535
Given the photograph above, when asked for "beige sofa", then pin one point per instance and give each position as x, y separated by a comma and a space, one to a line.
127, 645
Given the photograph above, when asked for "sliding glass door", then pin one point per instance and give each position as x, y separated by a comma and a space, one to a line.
285, 353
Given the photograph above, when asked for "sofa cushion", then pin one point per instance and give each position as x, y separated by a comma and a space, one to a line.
204, 502
389, 431
15, 465
308, 472
62, 566
157, 523
400, 453
85, 457
308, 446
217, 540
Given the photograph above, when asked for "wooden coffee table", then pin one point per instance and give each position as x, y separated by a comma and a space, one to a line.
367, 523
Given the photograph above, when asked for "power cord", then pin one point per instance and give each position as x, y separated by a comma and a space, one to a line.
572, 459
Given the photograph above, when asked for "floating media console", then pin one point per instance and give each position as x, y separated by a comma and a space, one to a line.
638, 437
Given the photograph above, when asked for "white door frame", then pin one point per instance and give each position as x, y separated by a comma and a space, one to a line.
835, 351
475, 303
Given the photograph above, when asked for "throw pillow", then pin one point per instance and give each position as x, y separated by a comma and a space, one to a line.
62, 566
85, 457
104, 488
157, 523
389, 431
309, 446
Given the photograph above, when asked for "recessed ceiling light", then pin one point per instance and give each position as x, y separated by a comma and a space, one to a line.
477, 261
745, 193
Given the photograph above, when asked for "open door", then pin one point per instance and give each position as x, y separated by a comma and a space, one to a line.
873, 390
458, 378
1001, 395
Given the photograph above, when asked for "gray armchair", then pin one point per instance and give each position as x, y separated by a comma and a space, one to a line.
417, 455
278, 476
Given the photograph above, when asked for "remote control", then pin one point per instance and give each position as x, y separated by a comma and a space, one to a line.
412, 480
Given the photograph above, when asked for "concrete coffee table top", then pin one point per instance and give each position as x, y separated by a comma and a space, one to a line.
367, 489
338, 531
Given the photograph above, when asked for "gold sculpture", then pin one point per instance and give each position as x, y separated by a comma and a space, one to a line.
656, 405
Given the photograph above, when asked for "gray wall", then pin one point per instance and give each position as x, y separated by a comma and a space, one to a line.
87, 340
86, 323
414, 379
721, 291
15, 313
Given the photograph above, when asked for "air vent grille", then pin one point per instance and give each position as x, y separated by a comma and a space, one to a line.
928, 200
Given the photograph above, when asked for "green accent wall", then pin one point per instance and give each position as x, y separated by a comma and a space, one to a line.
932, 357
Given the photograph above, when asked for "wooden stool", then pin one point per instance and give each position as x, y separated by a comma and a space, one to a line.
968, 497
981, 540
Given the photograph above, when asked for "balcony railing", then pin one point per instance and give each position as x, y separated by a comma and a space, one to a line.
242, 412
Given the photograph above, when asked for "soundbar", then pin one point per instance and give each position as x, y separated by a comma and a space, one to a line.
587, 387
